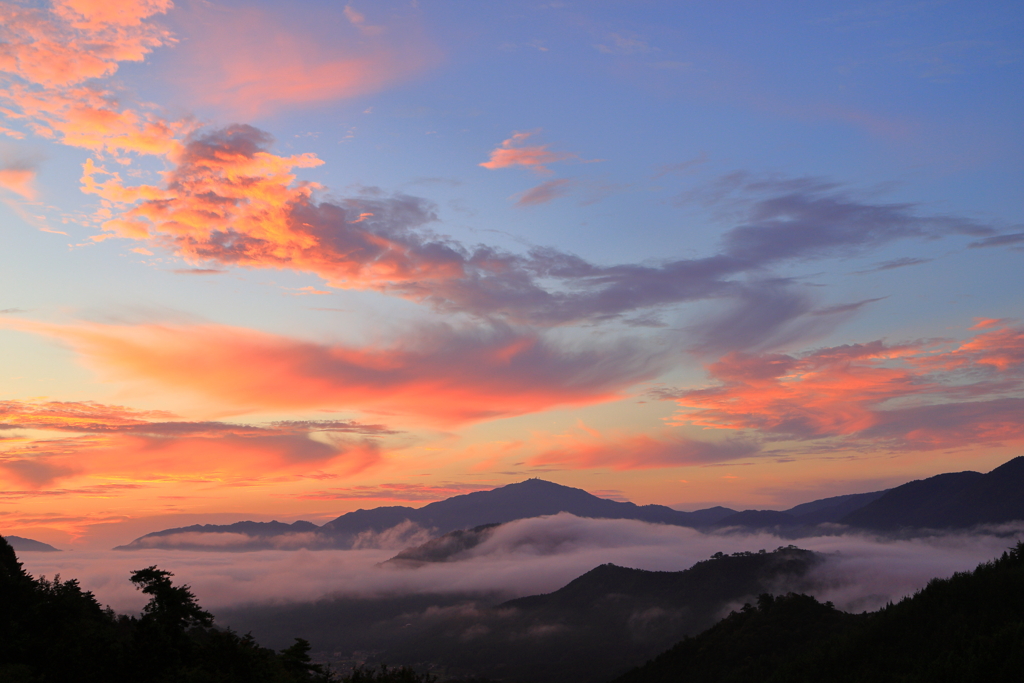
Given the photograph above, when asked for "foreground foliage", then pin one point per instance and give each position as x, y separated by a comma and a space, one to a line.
969, 627
52, 630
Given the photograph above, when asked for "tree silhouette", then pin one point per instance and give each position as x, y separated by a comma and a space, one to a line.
172, 606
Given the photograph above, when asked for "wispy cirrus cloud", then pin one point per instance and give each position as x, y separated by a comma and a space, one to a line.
634, 451
396, 492
339, 54
893, 264
18, 175
99, 491
1013, 240
440, 374
545, 192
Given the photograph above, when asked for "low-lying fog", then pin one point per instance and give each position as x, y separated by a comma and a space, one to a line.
523, 558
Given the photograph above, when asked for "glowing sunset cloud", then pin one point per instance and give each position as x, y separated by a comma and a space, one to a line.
112, 441
50, 62
20, 181
271, 59
513, 152
639, 452
918, 396
446, 377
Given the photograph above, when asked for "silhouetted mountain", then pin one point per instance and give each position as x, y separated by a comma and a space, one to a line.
955, 500
804, 517
604, 621
709, 516
832, 509
959, 499
247, 536
965, 628
530, 498
27, 544
758, 519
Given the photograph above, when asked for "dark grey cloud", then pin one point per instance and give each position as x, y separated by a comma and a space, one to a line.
383, 242
847, 308
895, 263
1008, 240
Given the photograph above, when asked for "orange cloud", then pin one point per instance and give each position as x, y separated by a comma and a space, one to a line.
77, 40
98, 440
268, 60
397, 492
444, 375
913, 396
52, 57
512, 152
637, 451
223, 184
19, 181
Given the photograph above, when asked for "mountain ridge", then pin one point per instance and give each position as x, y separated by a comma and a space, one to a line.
944, 501
30, 545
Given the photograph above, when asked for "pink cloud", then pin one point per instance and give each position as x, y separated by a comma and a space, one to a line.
19, 180
638, 451
512, 152
397, 492
77, 40
58, 440
51, 59
440, 374
545, 192
917, 396
270, 59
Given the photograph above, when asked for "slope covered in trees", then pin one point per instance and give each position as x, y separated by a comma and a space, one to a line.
605, 621
969, 627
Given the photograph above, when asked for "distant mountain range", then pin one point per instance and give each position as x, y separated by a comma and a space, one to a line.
530, 498
945, 501
22, 544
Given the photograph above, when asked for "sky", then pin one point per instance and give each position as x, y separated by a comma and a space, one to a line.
267, 260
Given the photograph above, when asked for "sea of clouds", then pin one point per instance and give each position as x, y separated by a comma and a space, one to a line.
526, 557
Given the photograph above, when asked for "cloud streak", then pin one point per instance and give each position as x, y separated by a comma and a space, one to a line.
441, 374
271, 61
545, 192
590, 449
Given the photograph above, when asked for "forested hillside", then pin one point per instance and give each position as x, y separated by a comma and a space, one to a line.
53, 631
969, 627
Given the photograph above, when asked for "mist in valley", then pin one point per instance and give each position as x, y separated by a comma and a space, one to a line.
526, 557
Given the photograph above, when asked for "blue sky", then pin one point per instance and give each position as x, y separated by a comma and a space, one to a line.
447, 245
